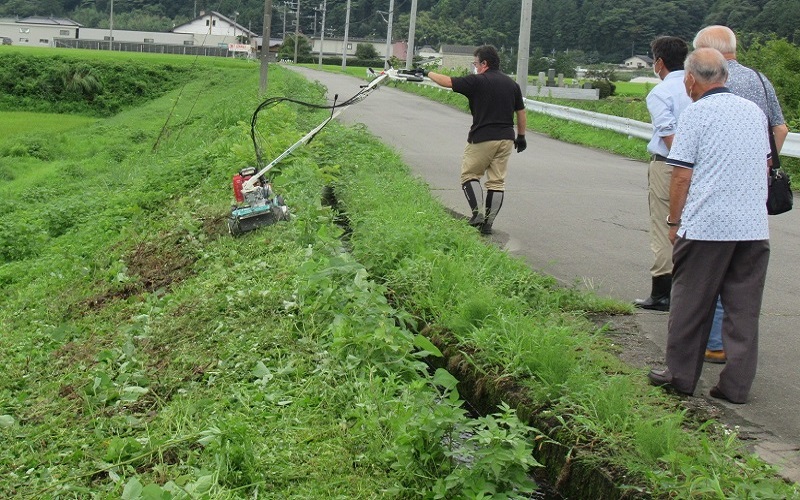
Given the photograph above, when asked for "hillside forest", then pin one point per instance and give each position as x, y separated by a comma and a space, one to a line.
596, 31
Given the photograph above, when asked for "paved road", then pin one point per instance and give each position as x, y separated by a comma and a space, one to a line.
580, 215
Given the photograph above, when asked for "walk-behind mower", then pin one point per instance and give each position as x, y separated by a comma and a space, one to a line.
256, 203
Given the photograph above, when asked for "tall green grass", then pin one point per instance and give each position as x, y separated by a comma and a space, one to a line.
147, 354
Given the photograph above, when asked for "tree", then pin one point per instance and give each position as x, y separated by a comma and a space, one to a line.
287, 49
366, 51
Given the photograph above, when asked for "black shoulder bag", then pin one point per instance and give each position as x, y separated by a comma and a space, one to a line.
780, 197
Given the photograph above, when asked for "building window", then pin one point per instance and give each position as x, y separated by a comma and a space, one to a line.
214, 22
24, 30
44, 40
188, 42
208, 22
23, 40
63, 32
149, 40
349, 46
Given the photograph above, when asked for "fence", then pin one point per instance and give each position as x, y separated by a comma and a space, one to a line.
155, 48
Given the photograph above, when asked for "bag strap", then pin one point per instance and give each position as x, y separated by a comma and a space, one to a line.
776, 161
766, 94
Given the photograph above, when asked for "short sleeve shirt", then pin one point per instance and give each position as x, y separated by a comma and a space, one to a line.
665, 103
723, 139
744, 82
493, 99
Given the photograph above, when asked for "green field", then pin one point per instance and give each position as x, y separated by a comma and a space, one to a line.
23, 123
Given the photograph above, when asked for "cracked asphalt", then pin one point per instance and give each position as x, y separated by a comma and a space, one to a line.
581, 215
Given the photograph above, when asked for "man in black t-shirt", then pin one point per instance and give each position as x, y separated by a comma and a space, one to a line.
494, 99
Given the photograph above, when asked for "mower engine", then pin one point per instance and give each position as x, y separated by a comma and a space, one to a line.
257, 205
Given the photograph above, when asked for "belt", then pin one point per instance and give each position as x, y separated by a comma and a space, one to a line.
658, 158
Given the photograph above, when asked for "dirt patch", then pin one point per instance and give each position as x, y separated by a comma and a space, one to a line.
215, 226
161, 263
157, 264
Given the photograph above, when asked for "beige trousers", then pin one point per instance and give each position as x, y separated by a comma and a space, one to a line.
490, 158
659, 176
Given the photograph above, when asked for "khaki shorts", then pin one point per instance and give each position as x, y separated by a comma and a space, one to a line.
489, 158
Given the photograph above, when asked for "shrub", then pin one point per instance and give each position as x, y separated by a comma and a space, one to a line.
606, 88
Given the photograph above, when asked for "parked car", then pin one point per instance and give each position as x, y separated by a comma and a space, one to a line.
6, 40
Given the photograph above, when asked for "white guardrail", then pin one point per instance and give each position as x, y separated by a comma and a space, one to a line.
627, 126
632, 128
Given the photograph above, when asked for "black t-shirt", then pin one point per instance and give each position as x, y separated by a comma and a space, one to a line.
493, 99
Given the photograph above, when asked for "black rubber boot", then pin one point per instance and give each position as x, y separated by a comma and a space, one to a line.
472, 190
659, 296
494, 202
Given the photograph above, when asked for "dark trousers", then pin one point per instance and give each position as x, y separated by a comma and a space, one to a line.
702, 270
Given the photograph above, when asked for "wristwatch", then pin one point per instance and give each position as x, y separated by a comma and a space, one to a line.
673, 224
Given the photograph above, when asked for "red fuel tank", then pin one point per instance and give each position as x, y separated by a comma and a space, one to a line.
238, 180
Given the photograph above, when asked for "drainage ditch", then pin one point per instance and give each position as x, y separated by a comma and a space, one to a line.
567, 472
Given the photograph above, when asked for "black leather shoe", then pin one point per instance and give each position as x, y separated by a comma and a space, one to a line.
663, 378
659, 378
653, 303
659, 294
486, 228
716, 393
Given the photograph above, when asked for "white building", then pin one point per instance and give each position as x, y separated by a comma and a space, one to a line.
38, 31
214, 29
637, 62
209, 34
129, 36
333, 47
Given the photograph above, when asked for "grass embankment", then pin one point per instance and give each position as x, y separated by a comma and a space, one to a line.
148, 353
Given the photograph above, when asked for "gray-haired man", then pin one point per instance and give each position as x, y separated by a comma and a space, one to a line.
718, 223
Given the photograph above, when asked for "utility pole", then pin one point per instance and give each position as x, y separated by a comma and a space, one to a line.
111, 28
346, 32
296, 31
389, 36
412, 26
322, 31
266, 33
283, 11
524, 46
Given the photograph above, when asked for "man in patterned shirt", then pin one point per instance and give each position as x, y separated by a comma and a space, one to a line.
747, 83
718, 224
743, 81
